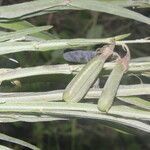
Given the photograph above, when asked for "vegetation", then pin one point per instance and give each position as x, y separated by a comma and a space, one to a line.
33, 74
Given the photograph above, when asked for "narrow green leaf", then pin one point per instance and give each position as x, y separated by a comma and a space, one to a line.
2, 147
135, 101
92, 95
146, 74
13, 117
129, 112
123, 36
10, 74
135, 124
26, 10
17, 141
140, 59
21, 9
6, 118
16, 25
3, 33
109, 8
23, 32
129, 3
46, 107
12, 47
121, 3
20, 25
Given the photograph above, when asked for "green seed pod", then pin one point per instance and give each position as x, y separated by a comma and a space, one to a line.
81, 83
111, 86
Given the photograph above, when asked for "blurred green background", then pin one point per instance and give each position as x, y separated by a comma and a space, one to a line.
73, 134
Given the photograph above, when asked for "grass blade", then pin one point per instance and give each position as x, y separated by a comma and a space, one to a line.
141, 103
46, 107
10, 74
92, 95
100, 6
129, 3
12, 47
23, 32
129, 90
110, 119
17, 141
146, 74
5, 148
18, 10
20, 25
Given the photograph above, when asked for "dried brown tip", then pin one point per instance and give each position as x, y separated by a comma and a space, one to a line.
106, 49
126, 59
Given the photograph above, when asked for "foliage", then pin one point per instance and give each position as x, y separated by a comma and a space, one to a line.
32, 86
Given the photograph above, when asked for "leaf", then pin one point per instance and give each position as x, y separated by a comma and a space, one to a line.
140, 59
4, 148
17, 141
23, 32
134, 124
99, 6
68, 7
82, 110
47, 107
49, 96
6, 118
20, 25
25, 10
141, 103
129, 3
12, 47
21, 9
146, 74
10, 74
16, 25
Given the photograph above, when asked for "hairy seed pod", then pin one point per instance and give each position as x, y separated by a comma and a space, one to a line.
111, 86
81, 83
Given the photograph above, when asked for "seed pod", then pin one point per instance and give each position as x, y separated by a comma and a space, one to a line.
81, 83
111, 86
